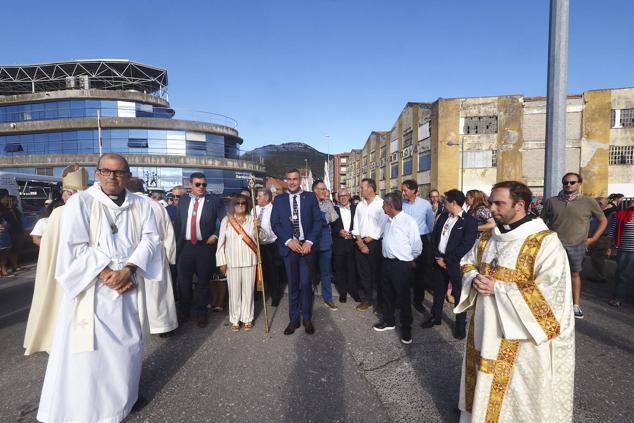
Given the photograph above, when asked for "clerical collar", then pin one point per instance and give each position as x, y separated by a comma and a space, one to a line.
117, 199
508, 228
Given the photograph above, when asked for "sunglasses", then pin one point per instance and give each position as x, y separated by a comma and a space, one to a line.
241, 203
200, 184
569, 182
176, 196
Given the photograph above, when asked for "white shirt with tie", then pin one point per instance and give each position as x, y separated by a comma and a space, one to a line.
299, 214
346, 217
401, 238
199, 212
446, 231
264, 215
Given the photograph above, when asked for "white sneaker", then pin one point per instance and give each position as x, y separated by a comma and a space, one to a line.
578, 312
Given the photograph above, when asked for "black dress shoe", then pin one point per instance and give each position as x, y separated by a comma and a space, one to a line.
290, 329
343, 298
430, 323
459, 332
275, 303
308, 327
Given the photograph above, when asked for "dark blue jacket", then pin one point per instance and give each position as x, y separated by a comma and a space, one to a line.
213, 212
310, 217
461, 240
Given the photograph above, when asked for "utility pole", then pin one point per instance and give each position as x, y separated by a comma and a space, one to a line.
555, 161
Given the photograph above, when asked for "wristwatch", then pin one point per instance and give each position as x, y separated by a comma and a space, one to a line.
131, 267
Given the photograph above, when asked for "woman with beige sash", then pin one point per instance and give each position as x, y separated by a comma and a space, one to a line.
237, 258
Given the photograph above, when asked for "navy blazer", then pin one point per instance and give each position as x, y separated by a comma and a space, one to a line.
310, 218
212, 214
463, 236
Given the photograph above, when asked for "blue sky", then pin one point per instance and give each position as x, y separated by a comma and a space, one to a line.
298, 70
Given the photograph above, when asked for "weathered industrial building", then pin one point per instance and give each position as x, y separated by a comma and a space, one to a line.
470, 143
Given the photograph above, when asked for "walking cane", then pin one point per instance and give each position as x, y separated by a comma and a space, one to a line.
260, 274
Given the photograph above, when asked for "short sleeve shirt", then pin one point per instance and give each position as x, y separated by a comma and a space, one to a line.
571, 219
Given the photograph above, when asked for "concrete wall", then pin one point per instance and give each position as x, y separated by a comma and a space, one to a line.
596, 142
83, 94
445, 166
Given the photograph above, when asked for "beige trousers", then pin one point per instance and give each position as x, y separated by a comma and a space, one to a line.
241, 284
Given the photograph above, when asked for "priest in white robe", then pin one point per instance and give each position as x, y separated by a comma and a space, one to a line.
108, 244
520, 353
159, 294
47, 294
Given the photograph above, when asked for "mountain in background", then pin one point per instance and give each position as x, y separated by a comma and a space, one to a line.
280, 158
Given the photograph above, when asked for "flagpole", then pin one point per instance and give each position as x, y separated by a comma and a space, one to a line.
99, 132
260, 274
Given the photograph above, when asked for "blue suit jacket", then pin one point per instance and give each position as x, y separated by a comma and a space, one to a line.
213, 212
310, 218
463, 236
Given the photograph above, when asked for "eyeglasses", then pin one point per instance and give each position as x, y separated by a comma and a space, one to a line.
200, 184
107, 172
569, 182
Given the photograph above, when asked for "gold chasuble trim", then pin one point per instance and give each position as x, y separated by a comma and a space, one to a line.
502, 367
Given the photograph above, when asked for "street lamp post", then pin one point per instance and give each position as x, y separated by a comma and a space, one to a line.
461, 144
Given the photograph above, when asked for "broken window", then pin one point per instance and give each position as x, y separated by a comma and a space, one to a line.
407, 139
480, 125
621, 154
478, 159
622, 118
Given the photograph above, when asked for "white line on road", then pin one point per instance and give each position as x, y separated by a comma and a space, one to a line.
20, 310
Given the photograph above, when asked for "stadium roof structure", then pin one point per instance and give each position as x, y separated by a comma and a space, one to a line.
104, 74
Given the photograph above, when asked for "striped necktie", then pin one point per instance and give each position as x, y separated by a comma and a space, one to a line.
295, 218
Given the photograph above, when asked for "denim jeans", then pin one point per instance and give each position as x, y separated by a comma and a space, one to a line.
624, 273
324, 264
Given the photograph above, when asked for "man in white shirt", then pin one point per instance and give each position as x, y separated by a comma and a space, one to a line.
368, 230
400, 247
272, 264
343, 248
420, 209
453, 236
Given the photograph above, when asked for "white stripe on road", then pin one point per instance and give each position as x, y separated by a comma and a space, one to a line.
20, 310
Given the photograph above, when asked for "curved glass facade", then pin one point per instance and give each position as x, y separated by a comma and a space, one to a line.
124, 141
84, 108
62, 124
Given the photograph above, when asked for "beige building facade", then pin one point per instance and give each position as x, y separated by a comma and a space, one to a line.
471, 143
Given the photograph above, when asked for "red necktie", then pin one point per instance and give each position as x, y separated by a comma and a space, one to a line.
192, 224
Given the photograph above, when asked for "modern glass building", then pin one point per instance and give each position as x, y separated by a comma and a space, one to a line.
54, 114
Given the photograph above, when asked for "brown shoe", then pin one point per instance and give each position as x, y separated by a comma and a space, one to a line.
331, 305
248, 326
363, 306
202, 322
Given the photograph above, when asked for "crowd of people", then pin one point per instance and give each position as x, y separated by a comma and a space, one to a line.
126, 265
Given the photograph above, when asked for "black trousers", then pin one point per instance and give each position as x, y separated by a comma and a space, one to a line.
441, 282
369, 272
273, 270
395, 288
346, 270
420, 280
199, 259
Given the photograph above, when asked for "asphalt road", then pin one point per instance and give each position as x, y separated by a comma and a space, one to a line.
344, 372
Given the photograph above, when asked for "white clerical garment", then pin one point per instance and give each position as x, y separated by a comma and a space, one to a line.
159, 294
520, 353
95, 362
47, 294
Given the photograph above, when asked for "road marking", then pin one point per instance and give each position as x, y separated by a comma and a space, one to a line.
20, 310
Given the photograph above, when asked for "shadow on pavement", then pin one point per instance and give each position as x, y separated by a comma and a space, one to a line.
316, 385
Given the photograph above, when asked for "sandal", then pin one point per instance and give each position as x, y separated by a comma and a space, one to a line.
235, 328
248, 326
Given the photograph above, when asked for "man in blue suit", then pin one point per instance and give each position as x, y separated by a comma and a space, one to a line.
196, 234
296, 221
453, 236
